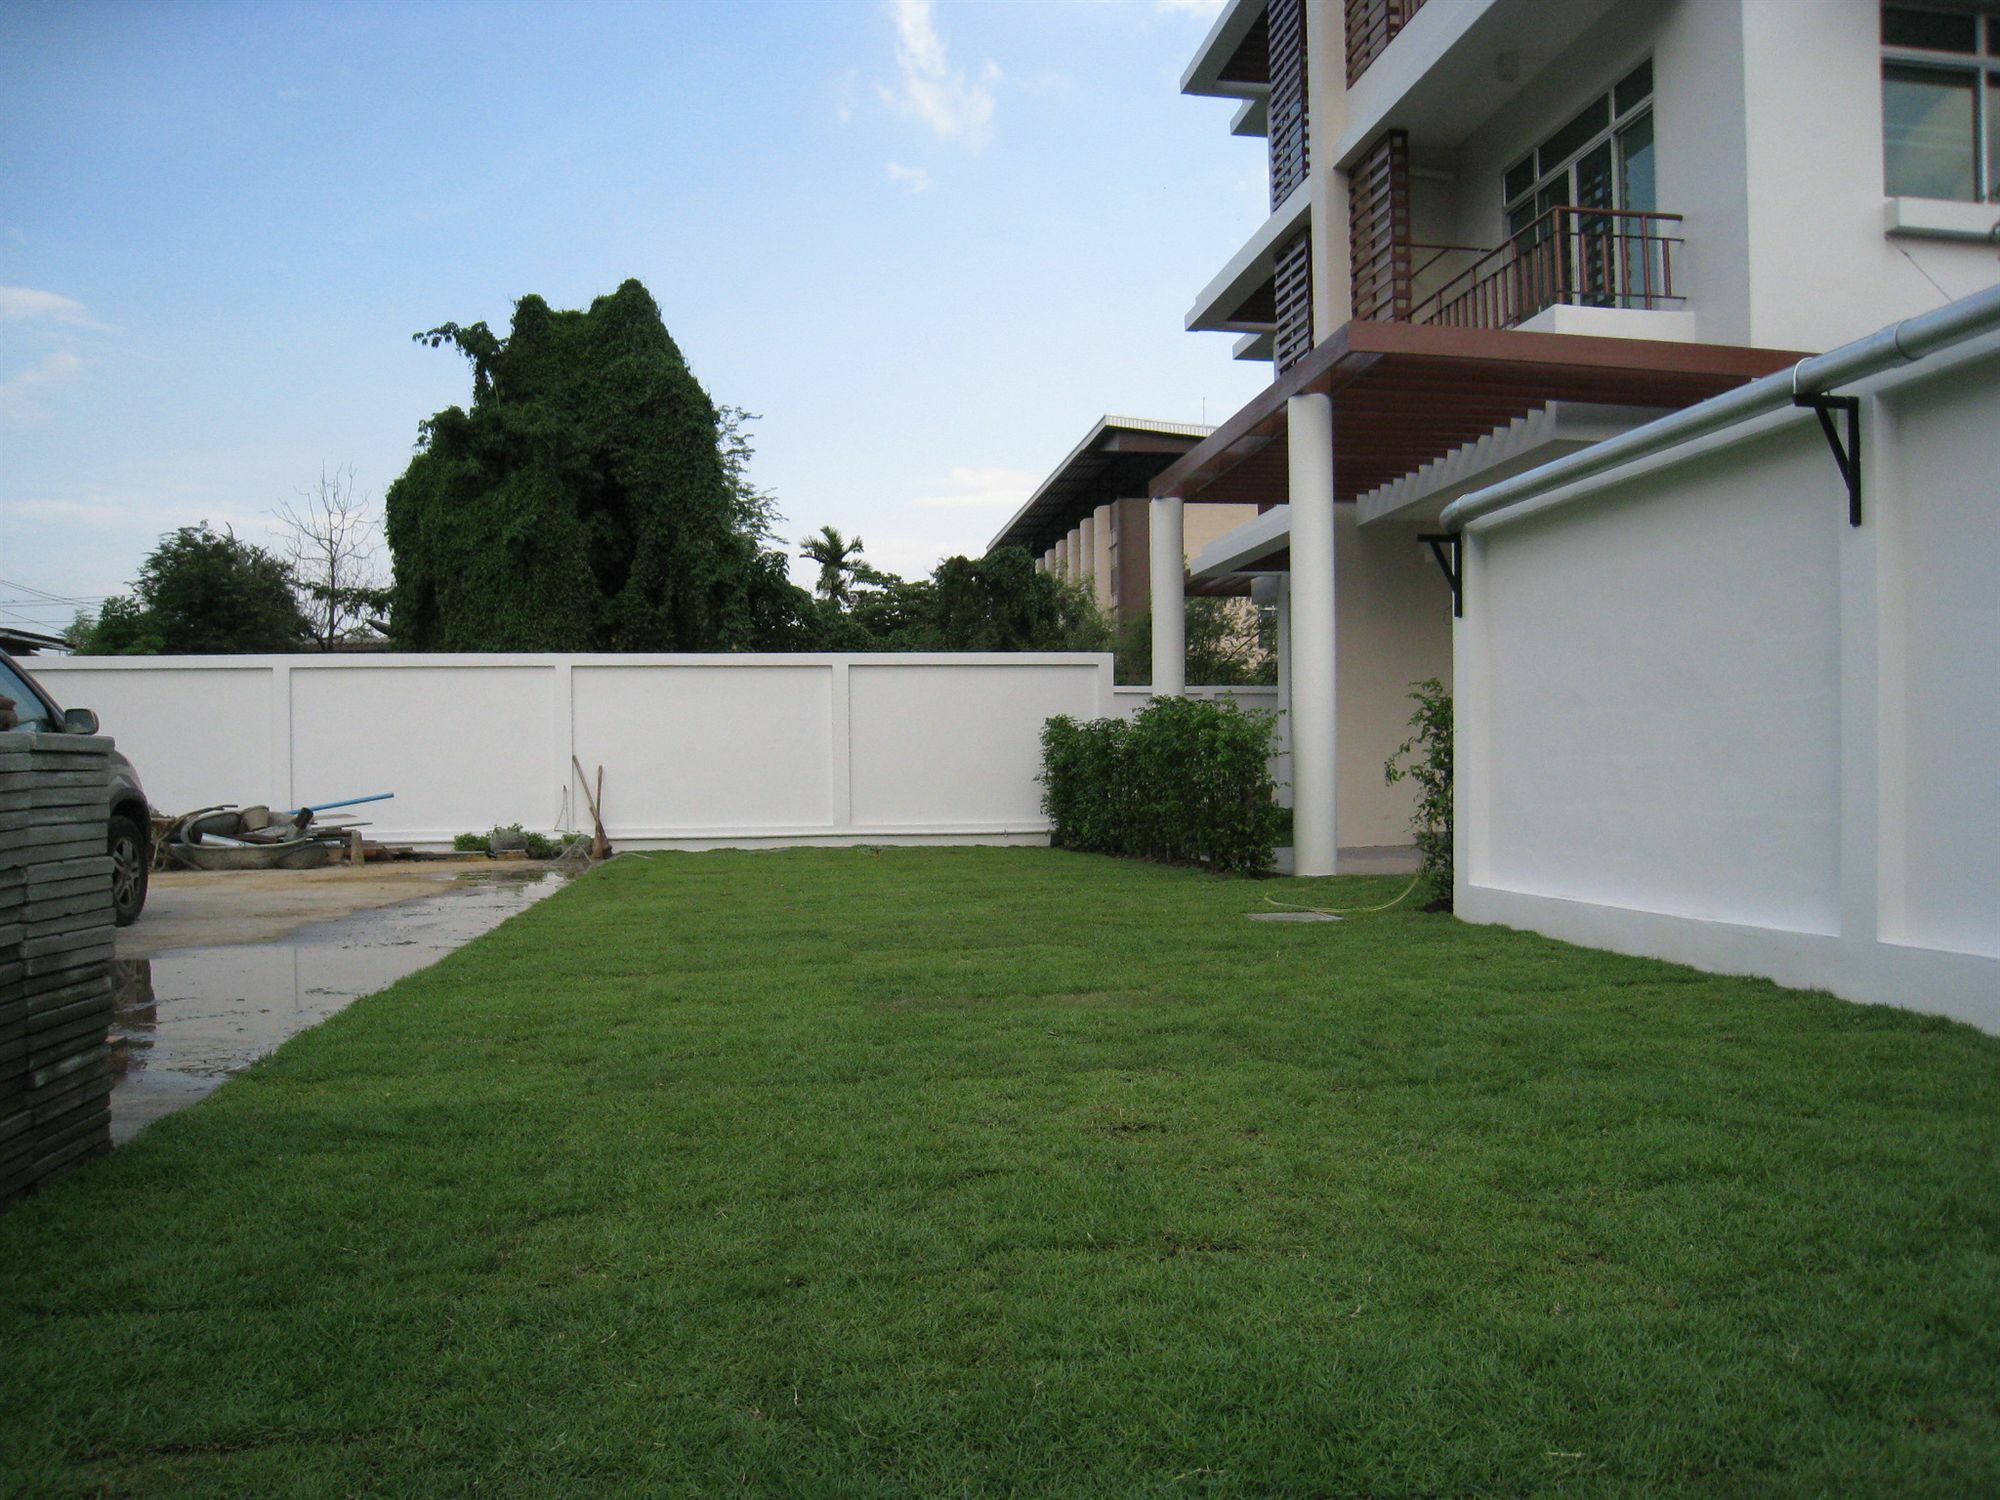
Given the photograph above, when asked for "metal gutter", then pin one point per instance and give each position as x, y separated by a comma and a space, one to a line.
1899, 344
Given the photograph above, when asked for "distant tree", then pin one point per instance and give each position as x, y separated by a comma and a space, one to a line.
1228, 645
332, 539
756, 509
586, 501
199, 593
839, 560
1002, 602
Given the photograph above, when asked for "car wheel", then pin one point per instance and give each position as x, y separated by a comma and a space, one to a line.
127, 847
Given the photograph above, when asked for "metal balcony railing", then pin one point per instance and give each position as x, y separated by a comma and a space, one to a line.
1581, 257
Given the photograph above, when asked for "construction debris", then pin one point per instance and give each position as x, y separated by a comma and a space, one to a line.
227, 837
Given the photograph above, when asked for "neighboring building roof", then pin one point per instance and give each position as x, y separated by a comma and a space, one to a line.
1116, 460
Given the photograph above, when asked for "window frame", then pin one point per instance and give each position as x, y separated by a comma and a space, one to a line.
1982, 65
1617, 123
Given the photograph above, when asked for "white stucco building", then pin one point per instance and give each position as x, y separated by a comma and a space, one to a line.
1502, 231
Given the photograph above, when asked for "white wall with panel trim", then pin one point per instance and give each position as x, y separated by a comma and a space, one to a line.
1702, 717
697, 751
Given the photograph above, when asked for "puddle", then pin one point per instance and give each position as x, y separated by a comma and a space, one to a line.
188, 1018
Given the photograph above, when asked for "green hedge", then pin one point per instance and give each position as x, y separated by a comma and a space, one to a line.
1185, 780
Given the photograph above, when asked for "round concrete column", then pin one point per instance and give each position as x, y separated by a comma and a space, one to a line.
1168, 552
1100, 557
1086, 549
1309, 422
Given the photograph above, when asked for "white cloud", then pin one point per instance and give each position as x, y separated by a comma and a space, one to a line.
982, 489
22, 302
18, 392
954, 105
916, 179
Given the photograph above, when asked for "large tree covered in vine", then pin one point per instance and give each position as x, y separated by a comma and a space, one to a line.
581, 504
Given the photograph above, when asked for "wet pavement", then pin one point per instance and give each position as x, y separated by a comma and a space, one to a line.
188, 1018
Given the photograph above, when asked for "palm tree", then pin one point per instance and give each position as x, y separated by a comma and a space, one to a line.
839, 561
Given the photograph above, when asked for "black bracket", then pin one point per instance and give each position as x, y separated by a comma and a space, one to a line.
1848, 456
1448, 563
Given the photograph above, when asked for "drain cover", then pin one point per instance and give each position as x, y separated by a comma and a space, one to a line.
1292, 916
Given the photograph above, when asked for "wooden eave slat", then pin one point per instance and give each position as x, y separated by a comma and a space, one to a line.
1433, 388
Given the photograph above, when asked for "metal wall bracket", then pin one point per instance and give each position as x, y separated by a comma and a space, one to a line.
1444, 547
1847, 456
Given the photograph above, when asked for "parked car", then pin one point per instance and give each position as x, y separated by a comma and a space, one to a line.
129, 835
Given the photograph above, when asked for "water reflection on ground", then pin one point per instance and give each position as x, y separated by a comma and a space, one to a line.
188, 1018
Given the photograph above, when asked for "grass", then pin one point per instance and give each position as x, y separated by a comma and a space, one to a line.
940, 1172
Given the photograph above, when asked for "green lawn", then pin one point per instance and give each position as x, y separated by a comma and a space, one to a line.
945, 1172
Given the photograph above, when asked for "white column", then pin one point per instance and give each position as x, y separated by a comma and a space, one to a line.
1284, 609
1100, 555
1086, 550
1309, 420
1168, 549
1070, 556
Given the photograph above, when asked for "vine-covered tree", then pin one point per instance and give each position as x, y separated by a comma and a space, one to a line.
200, 593
583, 503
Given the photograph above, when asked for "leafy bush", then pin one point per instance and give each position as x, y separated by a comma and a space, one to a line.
537, 846
1185, 780
1425, 758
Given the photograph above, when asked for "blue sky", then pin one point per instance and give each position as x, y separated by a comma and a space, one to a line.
929, 243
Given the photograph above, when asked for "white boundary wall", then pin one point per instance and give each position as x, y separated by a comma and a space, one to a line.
698, 751
1702, 718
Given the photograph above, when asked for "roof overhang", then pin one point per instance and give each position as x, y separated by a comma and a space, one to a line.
1405, 394
1542, 436
1215, 309
1116, 460
1220, 68
1255, 548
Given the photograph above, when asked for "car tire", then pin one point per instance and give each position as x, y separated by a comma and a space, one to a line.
126, 844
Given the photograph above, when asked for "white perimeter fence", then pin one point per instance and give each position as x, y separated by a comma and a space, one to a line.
697, 751
1702, 717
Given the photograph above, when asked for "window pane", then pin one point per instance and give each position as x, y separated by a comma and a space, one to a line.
1572, 138
1635, 160
1635, 87
1593, 179
1929, 143
1940, 31
1520, 177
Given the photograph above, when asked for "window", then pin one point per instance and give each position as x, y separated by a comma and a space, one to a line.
1603, 158
1576, 204
1940, 96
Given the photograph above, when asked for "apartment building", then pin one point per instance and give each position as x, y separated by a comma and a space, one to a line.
1087, 521
1501, 231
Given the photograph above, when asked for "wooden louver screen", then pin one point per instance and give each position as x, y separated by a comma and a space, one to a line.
1378, 229
1371, 26
1292, 276
1290, 123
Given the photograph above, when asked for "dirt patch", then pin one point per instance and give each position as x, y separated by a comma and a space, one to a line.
213, 909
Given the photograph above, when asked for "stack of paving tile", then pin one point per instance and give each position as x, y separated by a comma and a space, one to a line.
56, 940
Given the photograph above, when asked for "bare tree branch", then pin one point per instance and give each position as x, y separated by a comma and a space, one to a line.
333, 540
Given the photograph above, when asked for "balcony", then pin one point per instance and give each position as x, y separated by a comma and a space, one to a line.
1569, 257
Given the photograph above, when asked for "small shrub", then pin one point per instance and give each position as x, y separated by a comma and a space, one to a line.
1185, 780
536, 845
1425, 758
